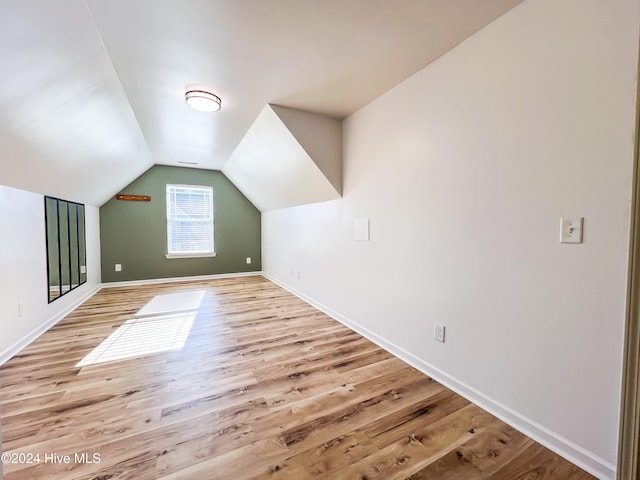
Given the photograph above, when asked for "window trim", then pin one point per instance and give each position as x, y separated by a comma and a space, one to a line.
171, 255
189, 255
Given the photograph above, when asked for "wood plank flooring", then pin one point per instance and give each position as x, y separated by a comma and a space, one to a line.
263, 387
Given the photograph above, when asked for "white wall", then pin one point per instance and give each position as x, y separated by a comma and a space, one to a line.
23, 269
465, 170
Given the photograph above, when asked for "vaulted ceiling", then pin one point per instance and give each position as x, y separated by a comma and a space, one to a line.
92, 92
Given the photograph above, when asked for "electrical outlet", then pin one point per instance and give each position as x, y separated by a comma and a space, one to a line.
118, 267
438, 332
20, 309
248, 260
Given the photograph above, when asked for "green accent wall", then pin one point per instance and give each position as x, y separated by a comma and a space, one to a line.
134, 234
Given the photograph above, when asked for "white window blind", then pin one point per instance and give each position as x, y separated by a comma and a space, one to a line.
189, 221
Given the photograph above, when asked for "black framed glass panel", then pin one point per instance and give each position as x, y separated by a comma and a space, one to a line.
74, 252
66, 246
53, 252
82, 249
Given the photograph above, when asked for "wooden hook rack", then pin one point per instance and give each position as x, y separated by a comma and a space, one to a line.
135, 198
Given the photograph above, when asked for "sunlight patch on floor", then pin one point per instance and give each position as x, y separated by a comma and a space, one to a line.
174, 302
162, 325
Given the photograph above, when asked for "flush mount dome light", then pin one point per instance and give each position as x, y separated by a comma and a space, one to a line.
203, 100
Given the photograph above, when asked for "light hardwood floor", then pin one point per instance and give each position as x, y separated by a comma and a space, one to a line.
264, 387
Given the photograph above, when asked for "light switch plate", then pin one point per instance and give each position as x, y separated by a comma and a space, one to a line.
571, 230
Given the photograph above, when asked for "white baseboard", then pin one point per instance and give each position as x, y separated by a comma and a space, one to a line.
179, 279
34, 334
553, 441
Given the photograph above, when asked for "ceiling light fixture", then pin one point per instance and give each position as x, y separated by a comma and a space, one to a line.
203, 100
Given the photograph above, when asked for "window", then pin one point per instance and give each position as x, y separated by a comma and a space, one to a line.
189, 221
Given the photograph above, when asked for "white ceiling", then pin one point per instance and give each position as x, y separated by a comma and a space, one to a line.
91, 92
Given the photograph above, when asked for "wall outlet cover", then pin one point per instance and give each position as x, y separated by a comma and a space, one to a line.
438, 332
